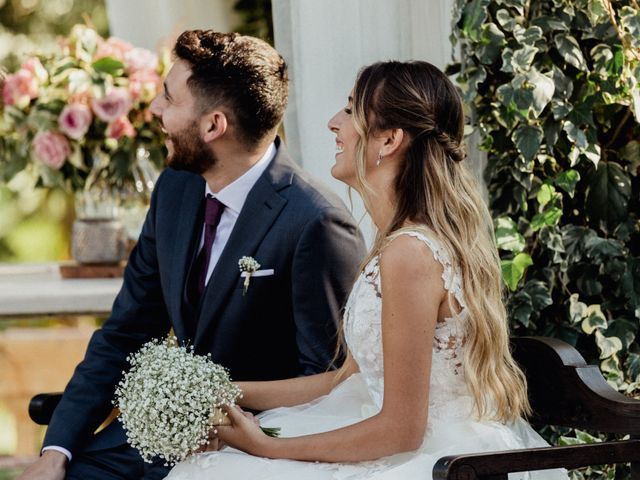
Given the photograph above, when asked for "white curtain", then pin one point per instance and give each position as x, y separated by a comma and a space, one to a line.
326, 42
148, 23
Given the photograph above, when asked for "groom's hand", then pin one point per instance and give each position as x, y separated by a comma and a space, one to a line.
50, 466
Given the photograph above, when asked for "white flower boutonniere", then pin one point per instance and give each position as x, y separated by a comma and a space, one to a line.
248, 265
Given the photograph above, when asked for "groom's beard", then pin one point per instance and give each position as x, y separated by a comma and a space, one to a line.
190, 152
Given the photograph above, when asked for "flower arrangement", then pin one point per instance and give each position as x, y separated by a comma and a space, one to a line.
170, 399
248, 266
81, 116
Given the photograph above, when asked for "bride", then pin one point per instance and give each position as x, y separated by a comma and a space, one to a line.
427, 369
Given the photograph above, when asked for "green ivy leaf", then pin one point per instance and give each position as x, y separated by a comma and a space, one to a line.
513, 270
550, 24
109, 65
569, 48
601, 249
527, 139
592, 152
608, 194
543, 89
552, 240
540, 294
474, 14
522, 58
521, 308
563, 84
577, 309
507, 235
493, 40
624, 329
607, 345
567, 181
545, 194
528, 36
550, 217
585, 437
631, 153
630, 20
575, 135
506, 20
631, 284
595, 319
587, 281
633, 366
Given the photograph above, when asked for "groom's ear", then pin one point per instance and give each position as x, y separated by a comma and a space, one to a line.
213, 125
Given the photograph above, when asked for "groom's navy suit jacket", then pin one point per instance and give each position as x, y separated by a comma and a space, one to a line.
283, 327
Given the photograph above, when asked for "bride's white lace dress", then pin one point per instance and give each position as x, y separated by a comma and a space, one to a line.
452, 427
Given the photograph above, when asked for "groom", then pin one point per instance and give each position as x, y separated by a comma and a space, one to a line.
230, 191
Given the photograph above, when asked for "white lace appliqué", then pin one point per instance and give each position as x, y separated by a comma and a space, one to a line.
363, 332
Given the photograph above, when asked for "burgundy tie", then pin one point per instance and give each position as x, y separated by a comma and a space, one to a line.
212, 213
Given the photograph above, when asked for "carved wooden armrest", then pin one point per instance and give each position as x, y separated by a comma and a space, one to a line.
563, 391
496, 465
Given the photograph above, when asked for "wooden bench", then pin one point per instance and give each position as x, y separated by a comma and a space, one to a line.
563, 391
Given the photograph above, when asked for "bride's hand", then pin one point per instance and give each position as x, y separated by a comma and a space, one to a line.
215, 443
244, 433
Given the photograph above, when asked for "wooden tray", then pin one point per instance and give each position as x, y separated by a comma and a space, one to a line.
74, 269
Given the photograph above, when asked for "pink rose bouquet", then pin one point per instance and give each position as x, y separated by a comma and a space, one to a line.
82, 115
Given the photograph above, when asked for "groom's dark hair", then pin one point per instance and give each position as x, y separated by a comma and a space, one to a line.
244, 75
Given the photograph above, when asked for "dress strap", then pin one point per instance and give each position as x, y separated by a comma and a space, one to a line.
451, 275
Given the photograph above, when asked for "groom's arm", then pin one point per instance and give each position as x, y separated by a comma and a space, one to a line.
325, 265
138, 315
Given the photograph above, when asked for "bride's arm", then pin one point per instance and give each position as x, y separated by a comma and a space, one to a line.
293, 391
412, 292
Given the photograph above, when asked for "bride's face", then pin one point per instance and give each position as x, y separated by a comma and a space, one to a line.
343, 125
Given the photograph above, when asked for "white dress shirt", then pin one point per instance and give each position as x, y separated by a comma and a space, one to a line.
232, 197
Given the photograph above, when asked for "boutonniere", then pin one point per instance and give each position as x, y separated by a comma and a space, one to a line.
248, 265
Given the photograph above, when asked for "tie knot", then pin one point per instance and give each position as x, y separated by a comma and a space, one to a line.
213, 211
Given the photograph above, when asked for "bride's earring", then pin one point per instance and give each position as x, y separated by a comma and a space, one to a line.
379, 161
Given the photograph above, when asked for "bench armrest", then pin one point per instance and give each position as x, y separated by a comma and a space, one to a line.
496, 465
41, 407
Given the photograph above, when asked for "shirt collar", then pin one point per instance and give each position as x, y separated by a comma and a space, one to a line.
234, 195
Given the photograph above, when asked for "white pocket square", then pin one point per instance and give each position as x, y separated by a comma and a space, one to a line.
259, 273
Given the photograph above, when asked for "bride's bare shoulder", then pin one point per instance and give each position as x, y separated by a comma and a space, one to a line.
407, 256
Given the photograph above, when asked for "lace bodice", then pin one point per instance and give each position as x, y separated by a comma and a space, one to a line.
363, 334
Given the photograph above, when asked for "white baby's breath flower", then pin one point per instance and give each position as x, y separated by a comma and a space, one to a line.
168, 397
247, 265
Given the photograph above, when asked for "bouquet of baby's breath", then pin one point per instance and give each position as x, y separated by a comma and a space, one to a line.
170, 398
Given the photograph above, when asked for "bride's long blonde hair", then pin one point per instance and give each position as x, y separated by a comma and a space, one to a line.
435, 189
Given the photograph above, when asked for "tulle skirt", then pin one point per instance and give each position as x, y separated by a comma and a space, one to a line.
449, 433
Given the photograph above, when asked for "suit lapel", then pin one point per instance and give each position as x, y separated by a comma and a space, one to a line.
260, 210
186, 237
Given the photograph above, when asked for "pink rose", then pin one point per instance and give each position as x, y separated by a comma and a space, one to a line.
34, 65
120, 128
144, 85
74, 120
51, 148
112, 47
114, 105
19, 88
140, 59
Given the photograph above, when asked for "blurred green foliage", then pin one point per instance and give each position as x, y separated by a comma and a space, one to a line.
256, 18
